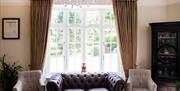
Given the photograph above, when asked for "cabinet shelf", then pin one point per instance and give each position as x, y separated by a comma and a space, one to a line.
166, 37
163, 54
167, 77
167, 64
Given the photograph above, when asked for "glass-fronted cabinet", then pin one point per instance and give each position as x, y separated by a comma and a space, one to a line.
165, 51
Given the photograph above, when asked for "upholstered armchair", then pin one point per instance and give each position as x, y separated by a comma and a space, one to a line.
140, 80
29, 81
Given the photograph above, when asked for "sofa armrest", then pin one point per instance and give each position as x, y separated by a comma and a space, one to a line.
115, 82
55, 83
129, 85
152, 85
18, 86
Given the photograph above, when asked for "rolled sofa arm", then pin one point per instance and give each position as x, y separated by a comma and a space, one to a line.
55, 83
115, 82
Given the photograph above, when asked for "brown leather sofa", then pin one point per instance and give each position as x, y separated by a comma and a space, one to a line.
85, 82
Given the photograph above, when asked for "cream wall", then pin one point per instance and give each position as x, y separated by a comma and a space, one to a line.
148, 11
16, 50
152, 11
173, 9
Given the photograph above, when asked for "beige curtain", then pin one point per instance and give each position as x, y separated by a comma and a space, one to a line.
40, 17
126, 22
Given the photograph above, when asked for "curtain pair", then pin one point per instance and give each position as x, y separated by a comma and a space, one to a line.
125, 12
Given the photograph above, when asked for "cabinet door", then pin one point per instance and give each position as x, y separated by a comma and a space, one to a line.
167, 54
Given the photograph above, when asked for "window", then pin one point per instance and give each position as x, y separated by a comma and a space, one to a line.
80, 35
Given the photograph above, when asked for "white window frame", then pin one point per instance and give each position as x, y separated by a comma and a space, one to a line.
83, 26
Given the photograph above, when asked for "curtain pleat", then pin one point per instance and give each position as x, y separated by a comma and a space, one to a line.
125, 12
40, 17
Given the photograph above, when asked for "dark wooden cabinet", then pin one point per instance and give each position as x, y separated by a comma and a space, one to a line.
165, 51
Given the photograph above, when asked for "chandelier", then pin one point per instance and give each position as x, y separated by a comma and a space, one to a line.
78, 3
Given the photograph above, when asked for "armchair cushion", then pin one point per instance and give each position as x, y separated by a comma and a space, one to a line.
98, 89
139, 77
140, 89
73, 90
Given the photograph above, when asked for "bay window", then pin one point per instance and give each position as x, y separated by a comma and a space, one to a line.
82, 35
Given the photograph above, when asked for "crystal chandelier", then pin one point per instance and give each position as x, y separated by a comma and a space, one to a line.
78, 3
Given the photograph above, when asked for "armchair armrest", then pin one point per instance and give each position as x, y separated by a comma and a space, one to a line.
115, 82
55, 83
152, 85
18, 86
129, 85
42, 82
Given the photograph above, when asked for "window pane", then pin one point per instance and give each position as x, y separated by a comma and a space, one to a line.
56, 41
107, 35
58, 17
93, 49
55, 64
56, 35
110, 50
93, 57
114, 36
75, 35
92, 35
75, 17
108, 17
110, 57
114, 48
110, 63
75, 49
55, 50
75, 57
92, 17
71, 35
110, 35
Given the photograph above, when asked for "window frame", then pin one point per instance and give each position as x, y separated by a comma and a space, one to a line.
101, 26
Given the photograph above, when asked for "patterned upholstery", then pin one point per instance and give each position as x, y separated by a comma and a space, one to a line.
85, 81
140, 89
140, 79
28, 81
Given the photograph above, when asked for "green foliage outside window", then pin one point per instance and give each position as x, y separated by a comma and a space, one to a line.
60, 17
109, 17
74, 18
93, 34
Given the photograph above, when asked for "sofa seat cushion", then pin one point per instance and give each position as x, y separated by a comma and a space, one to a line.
73, 90
98, 89
140, 89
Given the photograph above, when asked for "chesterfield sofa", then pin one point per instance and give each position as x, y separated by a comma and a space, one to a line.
85, 82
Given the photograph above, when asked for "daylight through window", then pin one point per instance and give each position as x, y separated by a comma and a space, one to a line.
80, 35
